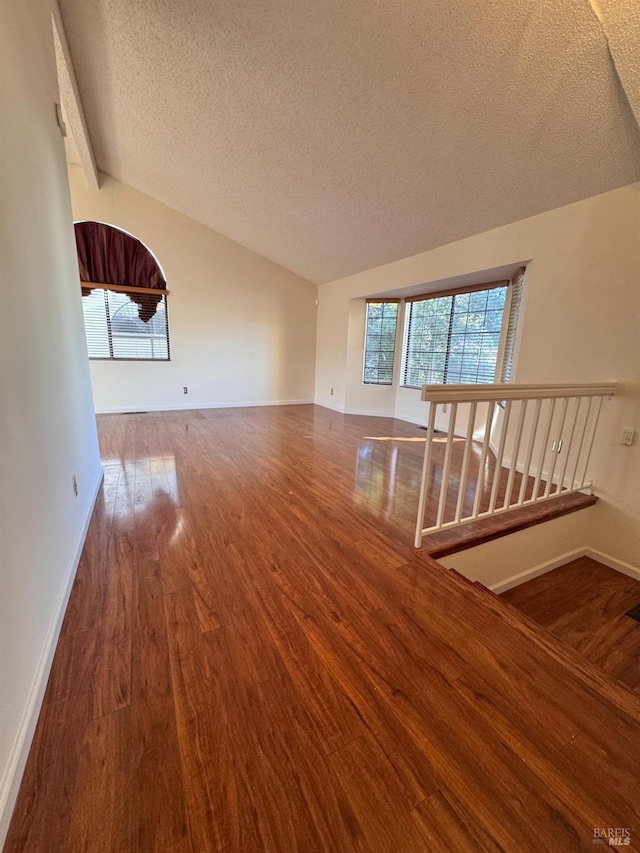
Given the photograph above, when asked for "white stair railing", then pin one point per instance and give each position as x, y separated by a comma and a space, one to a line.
520, 445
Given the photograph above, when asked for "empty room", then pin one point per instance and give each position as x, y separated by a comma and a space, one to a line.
320, 412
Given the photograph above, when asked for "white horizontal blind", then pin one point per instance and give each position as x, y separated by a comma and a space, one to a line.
114, 329
380, 343
512, 325
453, 339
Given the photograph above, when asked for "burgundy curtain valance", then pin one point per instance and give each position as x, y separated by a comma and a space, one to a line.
107, 255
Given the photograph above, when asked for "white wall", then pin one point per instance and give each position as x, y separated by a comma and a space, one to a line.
580, 322
518, 553
47, 427
242, 329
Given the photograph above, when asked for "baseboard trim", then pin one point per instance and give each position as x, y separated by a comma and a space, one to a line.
550, 565
535, 571
613, 563
331, 408
124, 410
12, 776
369, 413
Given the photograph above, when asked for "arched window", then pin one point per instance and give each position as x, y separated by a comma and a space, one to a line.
124, 295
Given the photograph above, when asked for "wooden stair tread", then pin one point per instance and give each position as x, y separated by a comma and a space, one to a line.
451, 540
485, 589
576, 665
562, 652
569, 658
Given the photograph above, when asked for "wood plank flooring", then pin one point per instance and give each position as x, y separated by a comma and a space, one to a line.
255, 659
584, 603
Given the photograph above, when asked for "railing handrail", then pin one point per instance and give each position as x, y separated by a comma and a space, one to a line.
545, 421
511, 391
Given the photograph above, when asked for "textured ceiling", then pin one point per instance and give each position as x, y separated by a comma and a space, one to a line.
620, 21
335, 136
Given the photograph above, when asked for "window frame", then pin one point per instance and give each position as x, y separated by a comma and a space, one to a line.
109, 315
509, 323
367, 351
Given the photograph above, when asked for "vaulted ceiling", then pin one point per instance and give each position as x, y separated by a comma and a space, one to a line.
338, 135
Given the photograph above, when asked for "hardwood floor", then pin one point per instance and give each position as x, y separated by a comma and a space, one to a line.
255, 659
584, 603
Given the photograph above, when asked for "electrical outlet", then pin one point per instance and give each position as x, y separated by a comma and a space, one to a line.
74, 483
628, 436
185, 390
332, 392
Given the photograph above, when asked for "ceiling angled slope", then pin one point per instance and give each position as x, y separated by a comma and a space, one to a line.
337, 136
77, 142
620, 20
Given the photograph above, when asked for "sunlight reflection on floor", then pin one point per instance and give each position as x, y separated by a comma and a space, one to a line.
412, 438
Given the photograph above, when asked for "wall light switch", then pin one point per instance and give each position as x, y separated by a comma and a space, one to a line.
627, 437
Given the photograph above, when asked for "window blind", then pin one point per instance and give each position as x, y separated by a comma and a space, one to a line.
512, 325
454, 338
380, 342
115, 330
458, 291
